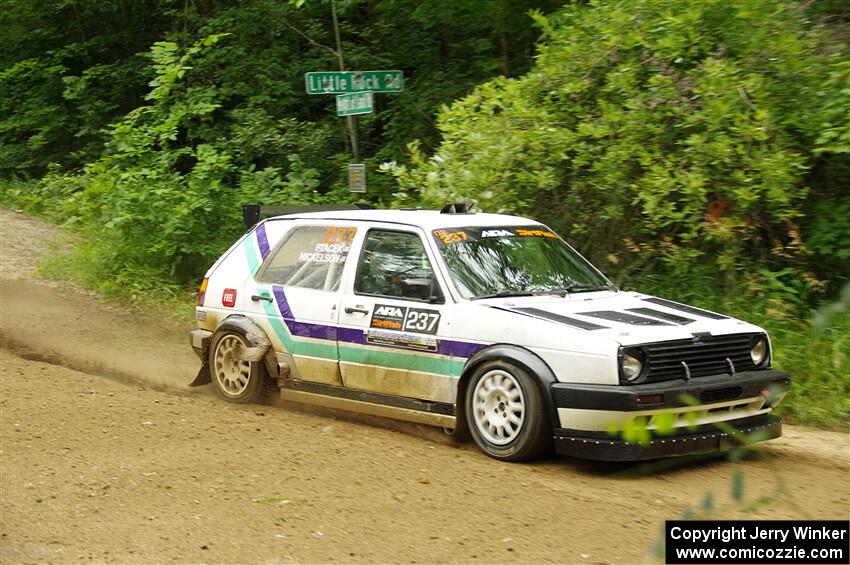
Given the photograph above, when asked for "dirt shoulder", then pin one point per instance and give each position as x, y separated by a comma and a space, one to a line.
106, 456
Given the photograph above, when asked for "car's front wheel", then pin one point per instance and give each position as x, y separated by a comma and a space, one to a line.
505, 412
235, 379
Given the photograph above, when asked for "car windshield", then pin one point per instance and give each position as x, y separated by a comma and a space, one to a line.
488, 262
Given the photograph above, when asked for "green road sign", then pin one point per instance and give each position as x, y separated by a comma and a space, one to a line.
354, 103
344, 82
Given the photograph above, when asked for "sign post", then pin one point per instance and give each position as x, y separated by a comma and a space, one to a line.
357, 177
354, 90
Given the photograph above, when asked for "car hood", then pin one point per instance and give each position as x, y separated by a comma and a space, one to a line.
626, 317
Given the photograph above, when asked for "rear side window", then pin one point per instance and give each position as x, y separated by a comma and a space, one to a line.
310, 257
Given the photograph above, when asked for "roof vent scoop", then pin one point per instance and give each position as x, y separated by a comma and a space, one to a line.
458, 208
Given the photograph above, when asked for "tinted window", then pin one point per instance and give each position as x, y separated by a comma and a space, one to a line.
394, 264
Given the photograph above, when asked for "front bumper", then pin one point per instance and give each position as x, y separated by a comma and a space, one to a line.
703, 414
705, 439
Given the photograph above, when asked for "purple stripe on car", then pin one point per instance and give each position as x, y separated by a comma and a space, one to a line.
352, 335
444, 346
282, 304
262, 240
464, 349
316, 331
357, 335
300, 329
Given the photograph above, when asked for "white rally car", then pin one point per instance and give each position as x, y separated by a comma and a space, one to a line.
480, 323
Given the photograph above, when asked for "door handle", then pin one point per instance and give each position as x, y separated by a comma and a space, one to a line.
258, 297
349, 310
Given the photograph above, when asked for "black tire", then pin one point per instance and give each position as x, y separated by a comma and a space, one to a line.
234, 380
505, 412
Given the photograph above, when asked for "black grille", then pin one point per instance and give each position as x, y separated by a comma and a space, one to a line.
705, 355
720, 394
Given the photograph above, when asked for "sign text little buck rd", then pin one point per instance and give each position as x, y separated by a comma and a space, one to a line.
344, 82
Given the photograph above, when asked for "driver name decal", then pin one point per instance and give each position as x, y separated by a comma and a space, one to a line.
333, 248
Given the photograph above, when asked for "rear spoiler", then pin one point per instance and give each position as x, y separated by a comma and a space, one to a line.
252, 214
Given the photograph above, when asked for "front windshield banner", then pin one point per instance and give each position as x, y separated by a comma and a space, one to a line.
450, 236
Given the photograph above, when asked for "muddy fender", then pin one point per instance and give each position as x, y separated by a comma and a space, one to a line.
256, 337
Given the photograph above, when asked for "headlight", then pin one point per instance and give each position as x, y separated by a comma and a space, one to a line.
759, 351
630, 367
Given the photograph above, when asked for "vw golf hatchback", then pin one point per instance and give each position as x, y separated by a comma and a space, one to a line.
485, 324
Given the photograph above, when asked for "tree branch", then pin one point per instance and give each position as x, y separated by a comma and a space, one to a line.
310, 39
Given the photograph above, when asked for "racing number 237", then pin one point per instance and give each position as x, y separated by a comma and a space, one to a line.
421, 321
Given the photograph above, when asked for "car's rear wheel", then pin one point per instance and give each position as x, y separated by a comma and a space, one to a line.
235, 379
505, 412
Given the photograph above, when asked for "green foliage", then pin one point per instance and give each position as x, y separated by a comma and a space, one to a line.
659, 135
157, 206
738, 485
90, 73
34, 122
66, 70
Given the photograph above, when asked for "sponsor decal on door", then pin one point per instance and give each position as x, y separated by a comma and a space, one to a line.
406, 340
405, 319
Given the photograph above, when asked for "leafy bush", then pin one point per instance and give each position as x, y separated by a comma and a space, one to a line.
660, 135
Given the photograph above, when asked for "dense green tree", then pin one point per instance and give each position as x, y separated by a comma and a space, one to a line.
67, 69
71, 68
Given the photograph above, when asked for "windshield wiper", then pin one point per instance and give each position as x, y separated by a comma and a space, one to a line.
579, 287
504, 293
572, 287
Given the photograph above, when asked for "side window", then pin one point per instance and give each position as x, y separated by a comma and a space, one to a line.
394, 264
310, 257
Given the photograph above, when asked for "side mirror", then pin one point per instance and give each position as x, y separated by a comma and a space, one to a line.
419, 289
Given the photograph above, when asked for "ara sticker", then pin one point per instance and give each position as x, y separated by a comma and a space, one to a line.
496, 233
403, 318
228, 297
